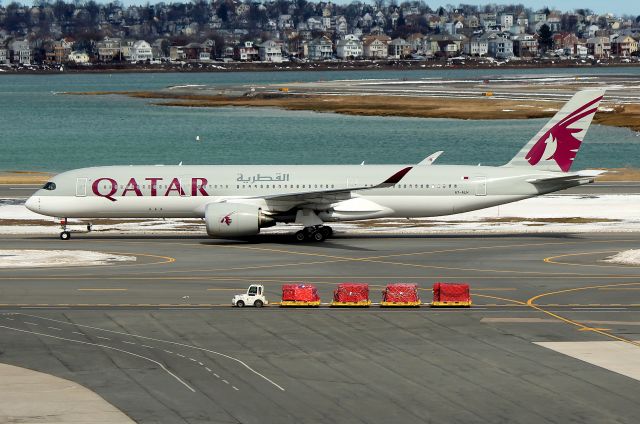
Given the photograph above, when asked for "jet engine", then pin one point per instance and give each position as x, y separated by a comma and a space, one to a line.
235, 220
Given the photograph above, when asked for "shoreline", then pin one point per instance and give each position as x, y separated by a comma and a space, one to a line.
374, 65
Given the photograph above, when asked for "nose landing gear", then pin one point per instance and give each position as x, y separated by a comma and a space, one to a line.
316, 233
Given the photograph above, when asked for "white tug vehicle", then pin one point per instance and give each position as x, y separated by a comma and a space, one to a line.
253, 297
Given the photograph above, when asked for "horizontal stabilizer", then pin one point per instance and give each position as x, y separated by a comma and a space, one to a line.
581, 177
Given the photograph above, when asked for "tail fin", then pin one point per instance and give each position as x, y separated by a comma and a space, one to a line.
555, 146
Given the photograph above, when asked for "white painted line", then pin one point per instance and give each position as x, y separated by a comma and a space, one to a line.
244, 364
77, 332
207, 369
103, 338
148, 347
225, 381
30, 323
235, 388
191, 359
107, 347
55, 328
131, 343
10, 319
168, 351
182, 356
598, 309
201, 364
217, 376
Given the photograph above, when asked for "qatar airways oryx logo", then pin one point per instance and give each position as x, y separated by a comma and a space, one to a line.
153, 186
227, 219
559, 143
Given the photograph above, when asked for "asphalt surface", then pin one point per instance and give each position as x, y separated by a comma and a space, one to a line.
23, 191
157, 339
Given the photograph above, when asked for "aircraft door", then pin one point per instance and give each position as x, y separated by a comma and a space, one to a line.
481, 185
81, 187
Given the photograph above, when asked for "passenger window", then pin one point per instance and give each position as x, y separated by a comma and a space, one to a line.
49, 186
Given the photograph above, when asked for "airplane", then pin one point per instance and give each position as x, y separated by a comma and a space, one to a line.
237, 201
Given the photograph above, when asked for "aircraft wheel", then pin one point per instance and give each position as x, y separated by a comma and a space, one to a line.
301, 236
327, 231
318, 236
258, 304
65, 235
240, 304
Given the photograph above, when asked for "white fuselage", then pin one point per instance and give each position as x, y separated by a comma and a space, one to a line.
185, 191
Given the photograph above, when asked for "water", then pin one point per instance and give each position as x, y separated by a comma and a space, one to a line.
40, 130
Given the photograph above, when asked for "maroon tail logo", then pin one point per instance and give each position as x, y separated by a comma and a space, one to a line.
227, 219
559, 143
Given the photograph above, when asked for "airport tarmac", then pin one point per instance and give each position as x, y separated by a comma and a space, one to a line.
157, 339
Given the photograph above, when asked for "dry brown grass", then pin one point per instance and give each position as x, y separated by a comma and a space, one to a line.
24, 177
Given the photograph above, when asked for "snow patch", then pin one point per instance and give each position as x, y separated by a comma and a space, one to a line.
627, 257
56, 258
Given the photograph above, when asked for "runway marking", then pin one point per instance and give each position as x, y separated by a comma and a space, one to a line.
618, 288
107, 347
30, 323
92, 290
201, 364
207, 369
531, 303
225, 381
594, 328
182, 356
131, 343
77, 332
168, 351
55, 328
191, 359
216, 375
103, 338
235, 388
148, 347
552, 260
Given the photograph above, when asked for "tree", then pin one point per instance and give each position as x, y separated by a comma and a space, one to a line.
545, 40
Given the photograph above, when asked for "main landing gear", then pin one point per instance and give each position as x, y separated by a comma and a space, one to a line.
64, 235
316, 233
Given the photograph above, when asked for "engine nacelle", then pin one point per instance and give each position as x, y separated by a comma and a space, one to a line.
235, 220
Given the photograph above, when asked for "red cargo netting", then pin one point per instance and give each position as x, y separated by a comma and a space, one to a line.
451, 292
351, 292
299, 293
401, 293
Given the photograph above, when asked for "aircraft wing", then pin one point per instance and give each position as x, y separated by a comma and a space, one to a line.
580, 177
333, 195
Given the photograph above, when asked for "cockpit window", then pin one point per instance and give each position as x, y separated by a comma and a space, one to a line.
49, 186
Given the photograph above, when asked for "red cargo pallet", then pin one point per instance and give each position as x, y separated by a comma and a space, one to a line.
299, 295
400, 295
451, 294
351, 294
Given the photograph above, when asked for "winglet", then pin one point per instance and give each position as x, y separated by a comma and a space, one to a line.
395, 178
430, 159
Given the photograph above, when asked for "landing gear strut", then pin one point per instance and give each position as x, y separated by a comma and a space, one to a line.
316, 233
64, 235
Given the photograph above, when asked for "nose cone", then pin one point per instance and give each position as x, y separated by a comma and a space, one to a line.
33, 204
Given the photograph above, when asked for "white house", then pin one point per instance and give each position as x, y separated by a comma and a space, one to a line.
141, 51
270, 51
506, 20
349, 48
79, 57
399, 48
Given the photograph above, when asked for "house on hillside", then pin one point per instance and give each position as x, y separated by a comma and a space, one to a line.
349, 48
320, 48
141, 51
399, 48
246, 52
270, 51
376, 46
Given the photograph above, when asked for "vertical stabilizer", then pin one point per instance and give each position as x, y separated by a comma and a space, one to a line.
555, 146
